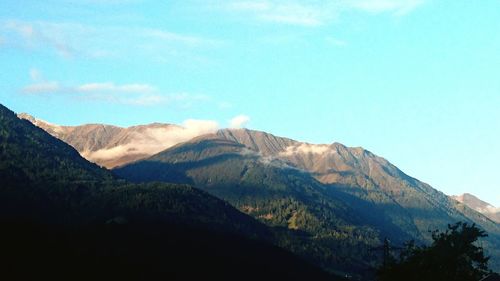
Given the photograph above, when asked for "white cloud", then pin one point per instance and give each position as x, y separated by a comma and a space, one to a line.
184, 100
239, 121
306, 148
30, 35
146, 98
138, 94
105, 2
192, 41
199, 127
71, 40
315, 13
285, 12
250, 6
111, 87
397, 7
154, 140
95, 87
42, 87
94, 90
25, 30
39, 85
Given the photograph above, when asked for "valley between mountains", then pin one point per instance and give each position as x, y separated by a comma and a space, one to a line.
329, 204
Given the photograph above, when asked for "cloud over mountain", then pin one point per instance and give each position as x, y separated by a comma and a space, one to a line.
239, 121
111, 146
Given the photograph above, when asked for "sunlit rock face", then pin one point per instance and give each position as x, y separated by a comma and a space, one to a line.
479, 205
112, 146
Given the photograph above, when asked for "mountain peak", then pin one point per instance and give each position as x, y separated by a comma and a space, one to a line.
28, 147
112, 146
479, 205
471, 199
262, 142
26, 116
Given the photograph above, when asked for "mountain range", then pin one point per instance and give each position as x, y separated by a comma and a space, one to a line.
110, 146
346, 198
65, 218
326, 196
332, 204
479, 205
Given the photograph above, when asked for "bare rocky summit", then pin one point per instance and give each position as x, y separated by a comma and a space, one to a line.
479, 205
112, 146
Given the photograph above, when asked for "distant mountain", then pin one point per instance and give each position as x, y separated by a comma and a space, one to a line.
477, 204
339, 199
63, 217
111, 146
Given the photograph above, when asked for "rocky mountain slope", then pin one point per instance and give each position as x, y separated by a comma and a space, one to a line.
111, 146
479, 205
346, 198
64, 217
356, 168
332, 197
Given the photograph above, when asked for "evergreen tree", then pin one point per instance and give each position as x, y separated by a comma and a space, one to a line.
453, 256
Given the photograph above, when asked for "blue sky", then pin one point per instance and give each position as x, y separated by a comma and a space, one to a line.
415, 81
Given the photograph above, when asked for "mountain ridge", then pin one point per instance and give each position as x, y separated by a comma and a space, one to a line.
63, 216
111, 146
479, 205
230, 161
308, 187
328, 163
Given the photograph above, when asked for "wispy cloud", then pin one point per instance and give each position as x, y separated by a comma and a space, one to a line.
314, 13
42, 87
396, 7
39, 84
187, 40
285, 12
111, 87
138, 94
239, 121
104, 2
183, 100
72, 40
154, 140
31, 36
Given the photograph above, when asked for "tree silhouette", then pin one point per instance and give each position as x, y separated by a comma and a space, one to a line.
453, 256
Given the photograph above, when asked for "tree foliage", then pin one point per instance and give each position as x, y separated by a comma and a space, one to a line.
454, 255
